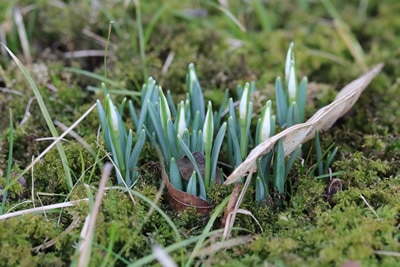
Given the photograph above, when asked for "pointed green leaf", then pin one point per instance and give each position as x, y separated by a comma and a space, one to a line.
279, 168
174, 175
302, 98
281, 103
192, 184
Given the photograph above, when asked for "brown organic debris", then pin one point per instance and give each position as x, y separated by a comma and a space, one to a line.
186, 167
335, 185
180, 200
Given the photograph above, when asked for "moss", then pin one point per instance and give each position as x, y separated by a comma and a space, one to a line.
306, 230
20, 235
49, 172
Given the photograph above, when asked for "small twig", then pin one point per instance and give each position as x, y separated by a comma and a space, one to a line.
27, 112
11, 91
99, 39
83, 53
167, 62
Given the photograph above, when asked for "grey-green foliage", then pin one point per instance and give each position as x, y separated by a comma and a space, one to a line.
182, 129
119, 141
290, 96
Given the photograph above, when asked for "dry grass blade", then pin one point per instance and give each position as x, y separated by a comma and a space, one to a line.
86, 244
230, 220
41, 209
19, 21
163, 257
224, 245
387, 253
323, 119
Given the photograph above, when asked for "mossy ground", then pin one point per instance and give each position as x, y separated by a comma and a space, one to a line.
360, 223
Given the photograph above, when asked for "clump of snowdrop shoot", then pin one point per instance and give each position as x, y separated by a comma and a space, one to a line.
186, 131
290, 101
119, 141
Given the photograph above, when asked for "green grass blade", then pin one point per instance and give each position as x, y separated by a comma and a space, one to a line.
46, 115
98, 77
142, 42
152, 23
347, 36
330, 158
330, 175
264, 17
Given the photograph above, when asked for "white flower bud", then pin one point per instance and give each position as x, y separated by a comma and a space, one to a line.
266, 123
292, 87
114, 119
289, 61
244, 101
165, 113
208, 127
181, 119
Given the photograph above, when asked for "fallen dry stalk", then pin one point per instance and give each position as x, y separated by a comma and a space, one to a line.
322, 120
86, 243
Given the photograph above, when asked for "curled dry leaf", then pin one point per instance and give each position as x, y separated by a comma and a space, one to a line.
323, 119
180, 200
